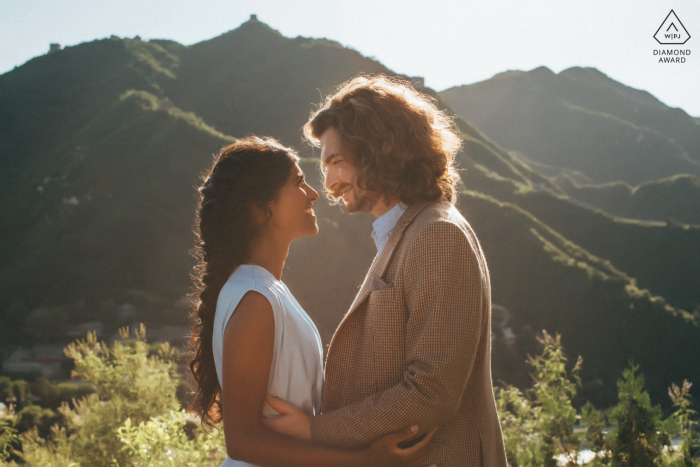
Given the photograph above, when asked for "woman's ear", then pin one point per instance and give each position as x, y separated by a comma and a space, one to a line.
259, 216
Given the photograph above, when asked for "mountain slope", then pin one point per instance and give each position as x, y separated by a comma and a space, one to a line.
105, 223
674, 199
582, 120
223, 79
548, 282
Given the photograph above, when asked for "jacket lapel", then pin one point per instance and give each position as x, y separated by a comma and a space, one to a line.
382, 261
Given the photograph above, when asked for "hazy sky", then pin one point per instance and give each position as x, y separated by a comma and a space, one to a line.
447, 42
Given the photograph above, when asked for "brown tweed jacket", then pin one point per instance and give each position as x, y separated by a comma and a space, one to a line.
415, 346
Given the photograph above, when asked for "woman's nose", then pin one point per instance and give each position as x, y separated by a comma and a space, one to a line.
313, 195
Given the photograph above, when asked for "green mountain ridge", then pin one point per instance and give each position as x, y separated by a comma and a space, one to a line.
117, 165
236, 71
591, 288
674, 199
492, 170
582, 120
76, 247
644, 250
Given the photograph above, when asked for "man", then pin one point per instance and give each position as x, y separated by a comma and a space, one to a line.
414, 348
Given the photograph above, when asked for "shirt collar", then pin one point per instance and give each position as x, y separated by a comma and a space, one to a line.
385, 223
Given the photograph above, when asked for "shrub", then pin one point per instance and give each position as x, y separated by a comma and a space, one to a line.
34, 416
538, 426
8, 432
681, 423
637, 439
134, 401
15, 392
542, 428
52, 395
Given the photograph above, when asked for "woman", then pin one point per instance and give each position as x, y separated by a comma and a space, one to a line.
251, 337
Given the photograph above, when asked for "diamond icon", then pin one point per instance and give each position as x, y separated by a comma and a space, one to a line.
672, 31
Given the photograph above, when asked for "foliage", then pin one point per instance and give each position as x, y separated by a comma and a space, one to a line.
541, 427
41, 418
682, 424
15, 392
134, 419
538, 426
165, 441
34, 403
637, 439
8, 432
134, 407
52, 395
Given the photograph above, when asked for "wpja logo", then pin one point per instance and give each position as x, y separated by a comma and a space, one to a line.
672, 32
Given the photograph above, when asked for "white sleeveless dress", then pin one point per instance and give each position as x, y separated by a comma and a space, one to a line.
296, 374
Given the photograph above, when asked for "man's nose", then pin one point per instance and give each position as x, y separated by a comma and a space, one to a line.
331, 179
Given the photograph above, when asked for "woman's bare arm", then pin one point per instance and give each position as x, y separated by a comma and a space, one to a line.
247, 358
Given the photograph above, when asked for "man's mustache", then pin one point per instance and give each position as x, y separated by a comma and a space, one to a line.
338, 192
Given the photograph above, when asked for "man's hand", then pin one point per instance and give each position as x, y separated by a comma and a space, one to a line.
385, 451
293, 421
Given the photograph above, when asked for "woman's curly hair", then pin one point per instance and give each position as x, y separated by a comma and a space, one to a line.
245, 174
402, 145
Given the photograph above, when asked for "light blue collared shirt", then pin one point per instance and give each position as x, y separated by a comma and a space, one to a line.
385, 224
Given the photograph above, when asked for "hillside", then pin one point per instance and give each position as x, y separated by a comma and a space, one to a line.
254, 80
103, 144
581, 120
552, 283
97, 223
669, 265
673, 199
662, 257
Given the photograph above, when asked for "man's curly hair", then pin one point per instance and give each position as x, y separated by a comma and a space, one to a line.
402, 145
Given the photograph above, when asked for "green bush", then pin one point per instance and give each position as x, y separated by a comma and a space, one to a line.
15, 392
53, 395
638, 437
681, 423
39, 418
541, 427
134, 418
538, 426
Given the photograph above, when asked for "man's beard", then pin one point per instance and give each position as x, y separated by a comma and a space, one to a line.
362, 200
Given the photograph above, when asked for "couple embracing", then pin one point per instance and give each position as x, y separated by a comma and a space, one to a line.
408, 372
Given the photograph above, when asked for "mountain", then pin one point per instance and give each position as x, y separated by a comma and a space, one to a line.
103, 144
669, 265
549, 282
582, 121
673, 199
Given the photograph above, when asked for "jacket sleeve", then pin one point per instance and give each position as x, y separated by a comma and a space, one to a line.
444, 295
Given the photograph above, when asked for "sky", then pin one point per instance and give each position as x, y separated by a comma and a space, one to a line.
447, 42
